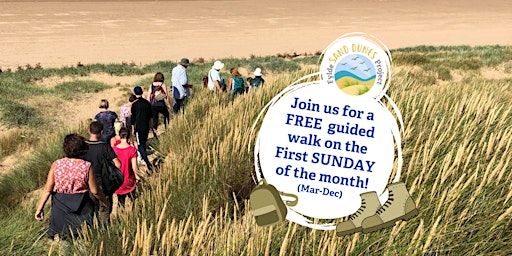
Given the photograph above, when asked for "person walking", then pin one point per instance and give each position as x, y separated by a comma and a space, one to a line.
116, 139
125, 112
98, 152
142, 121
128, 156
157, 95
69, 181
256, 81
236, 83
180, 85
107, 118
215, 80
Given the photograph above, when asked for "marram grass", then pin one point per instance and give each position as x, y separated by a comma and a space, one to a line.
457, 156
457, 153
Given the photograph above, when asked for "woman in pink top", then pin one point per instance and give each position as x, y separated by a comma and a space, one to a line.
127, 154
69, 181
114, 141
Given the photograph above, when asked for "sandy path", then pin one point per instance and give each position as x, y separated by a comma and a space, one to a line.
63, 33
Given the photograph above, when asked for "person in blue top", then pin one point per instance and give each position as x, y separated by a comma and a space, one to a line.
257, 81
107, 118
215, 80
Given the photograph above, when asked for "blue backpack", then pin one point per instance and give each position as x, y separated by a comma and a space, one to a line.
256, 82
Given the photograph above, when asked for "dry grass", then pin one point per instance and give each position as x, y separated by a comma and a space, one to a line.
457, 157
456, 152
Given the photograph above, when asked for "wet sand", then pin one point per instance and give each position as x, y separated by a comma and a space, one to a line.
62, 33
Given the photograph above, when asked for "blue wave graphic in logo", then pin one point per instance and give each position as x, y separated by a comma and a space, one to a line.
344, 73
356, 67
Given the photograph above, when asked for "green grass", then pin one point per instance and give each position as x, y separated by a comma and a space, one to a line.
74, 89
453, 57
16, 114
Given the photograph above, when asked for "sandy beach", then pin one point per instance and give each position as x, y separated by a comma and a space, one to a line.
61, 33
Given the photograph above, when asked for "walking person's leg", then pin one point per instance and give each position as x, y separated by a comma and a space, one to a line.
154, 112
176, 106
142, 138
165, 112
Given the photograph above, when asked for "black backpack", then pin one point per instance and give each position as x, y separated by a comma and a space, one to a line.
111, 177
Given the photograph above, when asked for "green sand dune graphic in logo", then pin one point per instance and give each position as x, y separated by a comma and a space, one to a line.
355, 74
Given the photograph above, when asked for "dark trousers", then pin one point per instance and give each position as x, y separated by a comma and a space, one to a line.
103, 214
142, 140
179, 104
121, 199
159, 110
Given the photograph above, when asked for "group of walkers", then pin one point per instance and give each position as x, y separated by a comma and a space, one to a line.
75, 181
236, 84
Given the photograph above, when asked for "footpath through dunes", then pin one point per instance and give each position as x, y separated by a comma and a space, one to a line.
69, 112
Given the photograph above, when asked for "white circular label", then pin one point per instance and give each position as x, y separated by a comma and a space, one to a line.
326, 149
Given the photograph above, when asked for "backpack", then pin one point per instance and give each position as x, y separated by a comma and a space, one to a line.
267, 206
111, 177
157, 93
256, 82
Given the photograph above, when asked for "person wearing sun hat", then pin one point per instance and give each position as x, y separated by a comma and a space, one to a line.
215, 80
180, 85
257, 81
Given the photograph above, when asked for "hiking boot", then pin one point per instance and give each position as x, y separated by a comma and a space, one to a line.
369, 205
399, 206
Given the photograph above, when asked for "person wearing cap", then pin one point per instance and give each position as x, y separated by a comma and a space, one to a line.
142, 121
180, 85
257, 81
215, 81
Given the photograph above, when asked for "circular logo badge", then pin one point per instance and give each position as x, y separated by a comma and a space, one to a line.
357, 64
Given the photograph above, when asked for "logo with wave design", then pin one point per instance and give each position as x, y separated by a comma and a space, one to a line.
355, 74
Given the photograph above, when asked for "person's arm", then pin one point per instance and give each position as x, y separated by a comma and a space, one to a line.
45, 194
113, 141
231, 83
216, 83
133, 116
166, 100
112, 154
95, 190
117, 162
149, 92
135, 167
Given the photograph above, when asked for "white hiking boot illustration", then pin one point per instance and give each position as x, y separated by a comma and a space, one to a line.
399, 206
369, 205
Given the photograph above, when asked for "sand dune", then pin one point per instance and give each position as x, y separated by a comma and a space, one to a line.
63, 33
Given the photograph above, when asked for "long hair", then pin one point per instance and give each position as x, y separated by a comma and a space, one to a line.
234, 72
159, 77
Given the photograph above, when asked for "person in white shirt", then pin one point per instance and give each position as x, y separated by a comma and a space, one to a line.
180, 85
215, 81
